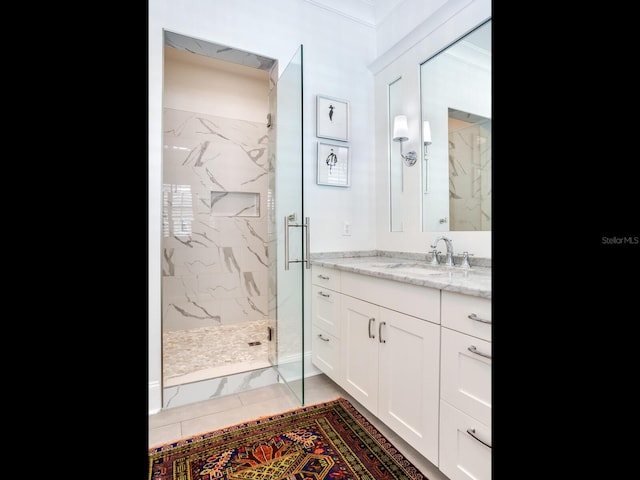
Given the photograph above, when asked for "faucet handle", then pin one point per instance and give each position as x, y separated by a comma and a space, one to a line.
465, 259
434, 257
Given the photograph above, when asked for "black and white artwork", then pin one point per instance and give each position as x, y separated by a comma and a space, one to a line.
333, 164
332, 118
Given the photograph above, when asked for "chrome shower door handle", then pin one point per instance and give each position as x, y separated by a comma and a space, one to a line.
307, 253
286, 242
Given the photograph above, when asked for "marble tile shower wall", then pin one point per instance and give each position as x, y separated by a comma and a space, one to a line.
470, 184
214, 245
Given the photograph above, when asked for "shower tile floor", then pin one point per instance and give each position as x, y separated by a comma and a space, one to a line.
211, 352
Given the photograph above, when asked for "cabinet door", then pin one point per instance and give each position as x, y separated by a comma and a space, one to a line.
409, 363
359, 348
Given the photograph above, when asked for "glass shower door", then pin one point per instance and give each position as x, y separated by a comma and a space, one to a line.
288, 229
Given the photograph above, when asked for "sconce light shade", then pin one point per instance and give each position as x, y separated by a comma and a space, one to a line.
426, 132
400, 129
401, 134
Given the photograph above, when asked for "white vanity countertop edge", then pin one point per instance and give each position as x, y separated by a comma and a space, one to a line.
477, 282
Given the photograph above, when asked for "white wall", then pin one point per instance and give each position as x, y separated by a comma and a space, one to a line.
396, 18
340, 60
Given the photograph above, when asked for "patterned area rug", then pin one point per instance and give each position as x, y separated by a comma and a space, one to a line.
330, 440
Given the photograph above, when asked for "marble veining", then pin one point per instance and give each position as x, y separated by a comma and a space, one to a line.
222, 52
214, 257
188, 393
214, 254
406, 267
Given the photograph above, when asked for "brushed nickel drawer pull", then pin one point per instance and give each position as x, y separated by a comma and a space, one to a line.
324, 294
472, 432
322, 338
323, 277
370, 321
473, 349
473, 316
380, 332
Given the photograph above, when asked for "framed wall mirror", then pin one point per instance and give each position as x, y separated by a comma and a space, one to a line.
455, 92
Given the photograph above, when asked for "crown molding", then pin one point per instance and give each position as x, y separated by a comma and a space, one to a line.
465, 11
365, 15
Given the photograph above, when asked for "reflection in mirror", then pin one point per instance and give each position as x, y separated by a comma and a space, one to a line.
455, 89
469, 171
395, 160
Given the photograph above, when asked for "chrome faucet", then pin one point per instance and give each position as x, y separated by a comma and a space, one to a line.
447, 241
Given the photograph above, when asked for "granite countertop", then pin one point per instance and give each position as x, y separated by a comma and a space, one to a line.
414, 269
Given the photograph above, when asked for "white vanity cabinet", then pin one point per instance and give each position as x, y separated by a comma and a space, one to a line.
325, 325
389, 360
465, 387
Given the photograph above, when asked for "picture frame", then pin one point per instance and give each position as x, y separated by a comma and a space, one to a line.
332, 118
334, 166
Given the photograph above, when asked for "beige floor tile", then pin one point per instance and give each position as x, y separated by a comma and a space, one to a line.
182, 422
199, 409
320, 389
263, 394
238, 415
164, 434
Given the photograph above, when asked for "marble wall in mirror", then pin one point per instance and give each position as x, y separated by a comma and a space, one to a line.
455, 91
396, 180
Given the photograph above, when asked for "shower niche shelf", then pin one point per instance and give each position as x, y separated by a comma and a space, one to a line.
235, 204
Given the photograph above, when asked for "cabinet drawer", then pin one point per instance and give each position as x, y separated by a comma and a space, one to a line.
463, 457
414, 300
457, 309
325, 309
325, 352
465, 376
325, 277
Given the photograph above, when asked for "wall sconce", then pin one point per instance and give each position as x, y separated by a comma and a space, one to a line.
401, 134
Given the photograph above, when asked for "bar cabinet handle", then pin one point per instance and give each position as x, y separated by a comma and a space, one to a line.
472, 432
473, 316
473, 349
371, 320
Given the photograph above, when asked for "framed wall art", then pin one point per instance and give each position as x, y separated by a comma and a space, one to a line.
332, 118
333, 165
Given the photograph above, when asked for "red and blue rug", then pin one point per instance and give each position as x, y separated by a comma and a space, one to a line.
327, 441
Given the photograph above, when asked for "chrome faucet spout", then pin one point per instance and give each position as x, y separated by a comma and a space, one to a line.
447, 241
